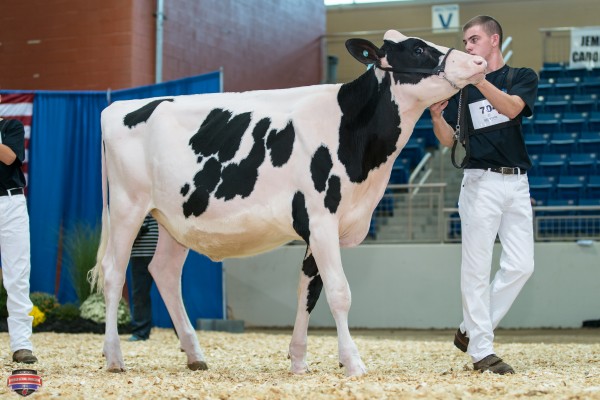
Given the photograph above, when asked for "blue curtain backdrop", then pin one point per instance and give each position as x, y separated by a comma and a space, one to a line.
65, 189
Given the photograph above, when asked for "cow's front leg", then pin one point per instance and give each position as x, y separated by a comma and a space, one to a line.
324, 244
166, 267
309, 289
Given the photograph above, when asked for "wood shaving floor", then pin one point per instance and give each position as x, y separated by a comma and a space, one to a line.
402, 364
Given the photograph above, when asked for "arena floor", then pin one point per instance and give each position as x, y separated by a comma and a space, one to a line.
402, 364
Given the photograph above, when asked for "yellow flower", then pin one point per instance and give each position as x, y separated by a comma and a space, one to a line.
38, 316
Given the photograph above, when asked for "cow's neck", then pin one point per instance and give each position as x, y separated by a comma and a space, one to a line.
370, 125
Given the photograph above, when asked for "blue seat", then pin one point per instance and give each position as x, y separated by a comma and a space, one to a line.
563, 143
541, 188
527, 124
545, 86
551, 70
424, 130
414, 150
575, 72
547, 122
540, 105
584, 103
556, 103
594, 121
537, 143
592, 189
589, 142
399, 174
590, 85
570, 187
566, 85
552, 164
582, 164
574, 121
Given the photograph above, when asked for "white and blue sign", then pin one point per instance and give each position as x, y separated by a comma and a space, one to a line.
445, 17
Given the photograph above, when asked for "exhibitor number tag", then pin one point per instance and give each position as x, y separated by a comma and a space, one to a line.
483, 114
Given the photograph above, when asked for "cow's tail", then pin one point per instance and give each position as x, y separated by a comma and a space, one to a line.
96, 275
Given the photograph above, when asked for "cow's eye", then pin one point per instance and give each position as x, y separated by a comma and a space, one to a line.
419, 50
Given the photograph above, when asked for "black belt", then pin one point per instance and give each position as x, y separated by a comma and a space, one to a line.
508, 170
11, 192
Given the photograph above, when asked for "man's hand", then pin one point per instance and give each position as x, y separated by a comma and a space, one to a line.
436, 108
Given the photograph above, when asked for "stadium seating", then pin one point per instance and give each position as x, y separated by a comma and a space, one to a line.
574, 121
582, 164
584, 103
594, 121
592, 189
537, 143
570, 187
541, 188
556, 103
589, 142
552, 164
563, 143
566, 85
414, 151
551, 70
547, 122
545, 86
590, 85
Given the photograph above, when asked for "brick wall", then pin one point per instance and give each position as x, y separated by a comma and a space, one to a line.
91, 45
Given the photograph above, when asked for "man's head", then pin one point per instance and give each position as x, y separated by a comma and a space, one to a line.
482, 36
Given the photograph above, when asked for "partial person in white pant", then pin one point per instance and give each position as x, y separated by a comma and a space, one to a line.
494, 197
14, 239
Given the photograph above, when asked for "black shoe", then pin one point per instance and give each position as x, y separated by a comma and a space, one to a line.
461, 340
494, 364
24, 356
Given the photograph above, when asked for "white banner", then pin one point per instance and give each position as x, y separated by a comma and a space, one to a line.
585, 47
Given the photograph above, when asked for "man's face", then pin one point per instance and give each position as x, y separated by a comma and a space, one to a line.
478, 42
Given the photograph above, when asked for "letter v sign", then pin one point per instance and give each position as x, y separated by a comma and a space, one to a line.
445, 17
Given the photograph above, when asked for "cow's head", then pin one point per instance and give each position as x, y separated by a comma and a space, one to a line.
412, 61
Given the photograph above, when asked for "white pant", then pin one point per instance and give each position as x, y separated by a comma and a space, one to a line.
491, 203
15, 251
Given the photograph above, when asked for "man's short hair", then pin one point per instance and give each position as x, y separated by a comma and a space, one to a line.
489, 25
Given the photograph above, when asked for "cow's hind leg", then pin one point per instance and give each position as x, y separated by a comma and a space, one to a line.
309, 289
166, 267
325, 248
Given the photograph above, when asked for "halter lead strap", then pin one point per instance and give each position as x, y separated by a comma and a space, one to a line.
435, 71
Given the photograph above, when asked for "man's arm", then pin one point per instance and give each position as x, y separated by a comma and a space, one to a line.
443, 131
7, 156
504, 103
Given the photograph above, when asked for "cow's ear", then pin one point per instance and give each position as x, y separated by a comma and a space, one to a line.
364, 51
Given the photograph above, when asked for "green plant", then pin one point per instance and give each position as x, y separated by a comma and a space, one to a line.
93, 308
65, 312
44, 301
81, 245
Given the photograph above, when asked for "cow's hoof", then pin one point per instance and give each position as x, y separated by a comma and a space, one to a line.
198, 366
115, 369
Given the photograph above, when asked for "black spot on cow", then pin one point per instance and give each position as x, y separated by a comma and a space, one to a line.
411, 53
320, 167
334, 193
370, 125
142, 114
281, 144
220, 133
185, 189
240, 179
309, 268
300, 217
205, 182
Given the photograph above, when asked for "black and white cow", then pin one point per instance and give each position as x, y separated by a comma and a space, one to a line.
236, 174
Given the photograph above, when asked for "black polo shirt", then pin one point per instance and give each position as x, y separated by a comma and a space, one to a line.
13, 136
505, 146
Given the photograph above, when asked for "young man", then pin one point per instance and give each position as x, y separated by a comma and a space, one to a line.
14, 239
494, 197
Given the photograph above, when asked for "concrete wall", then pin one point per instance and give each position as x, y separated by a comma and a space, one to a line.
415, 286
